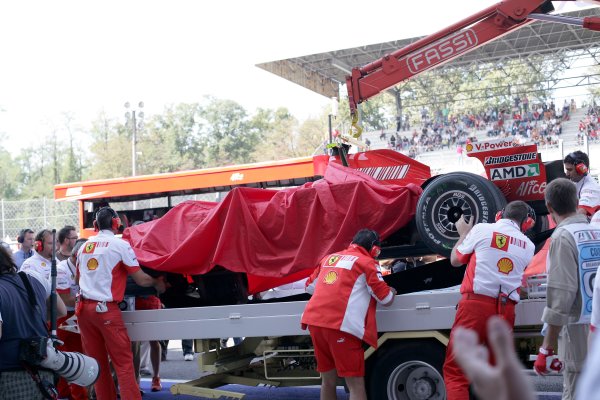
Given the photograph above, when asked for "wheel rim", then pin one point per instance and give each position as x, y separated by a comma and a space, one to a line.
415, 380
448, 208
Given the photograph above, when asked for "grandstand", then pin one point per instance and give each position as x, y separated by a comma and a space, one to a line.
447, 160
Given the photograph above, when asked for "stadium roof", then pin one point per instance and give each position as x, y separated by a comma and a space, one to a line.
324, 72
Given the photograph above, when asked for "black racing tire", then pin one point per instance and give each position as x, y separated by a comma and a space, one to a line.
541, 225
446, 199
408, 370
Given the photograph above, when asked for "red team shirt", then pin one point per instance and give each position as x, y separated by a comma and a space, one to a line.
347, 286
103, 264
497, 255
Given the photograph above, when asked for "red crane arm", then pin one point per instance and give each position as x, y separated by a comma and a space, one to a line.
441, 47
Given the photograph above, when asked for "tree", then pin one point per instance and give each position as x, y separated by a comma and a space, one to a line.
110, 149
171, 140
9, 174
227, 133
278, 130
72, 169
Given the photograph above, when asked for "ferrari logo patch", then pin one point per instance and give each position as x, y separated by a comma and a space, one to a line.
333, 259
500, 241
505, 265
89, 248
330, 277
92, 264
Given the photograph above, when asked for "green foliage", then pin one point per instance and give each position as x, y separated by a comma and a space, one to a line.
110, 149
474, 89
278, 131
9, 174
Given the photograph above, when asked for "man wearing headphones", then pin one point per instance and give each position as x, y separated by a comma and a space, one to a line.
103, 264
340, 315
577, 165
496, 256
41, 261
25, 240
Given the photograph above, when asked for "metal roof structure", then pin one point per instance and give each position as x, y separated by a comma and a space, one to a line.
324, 72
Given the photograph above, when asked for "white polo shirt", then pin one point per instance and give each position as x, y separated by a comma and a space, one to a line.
497, 255
588, 192
103, 263
39, 264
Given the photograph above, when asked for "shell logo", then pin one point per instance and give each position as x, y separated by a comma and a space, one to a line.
330, 277
469, 147
92, 264
505, 265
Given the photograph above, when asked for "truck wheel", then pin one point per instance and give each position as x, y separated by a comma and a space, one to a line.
409, 371
449, 197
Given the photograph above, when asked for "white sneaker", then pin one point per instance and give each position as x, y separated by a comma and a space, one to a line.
188, 357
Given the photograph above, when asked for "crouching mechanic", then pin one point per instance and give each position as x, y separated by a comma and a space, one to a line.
496, 256
103, 264
340, 315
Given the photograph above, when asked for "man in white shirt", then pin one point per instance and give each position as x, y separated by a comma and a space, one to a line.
103, 264
41, 261
577, 165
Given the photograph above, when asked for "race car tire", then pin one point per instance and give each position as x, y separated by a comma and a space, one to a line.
449, 197
542, 224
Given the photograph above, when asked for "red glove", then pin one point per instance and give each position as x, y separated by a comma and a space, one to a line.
546, 362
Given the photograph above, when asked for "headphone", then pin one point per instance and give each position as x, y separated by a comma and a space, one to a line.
579, 165
115, 220
526, 224
38, 244
375, 250
375, 246
21, 235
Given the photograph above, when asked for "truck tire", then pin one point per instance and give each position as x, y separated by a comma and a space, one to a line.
449, 197
408, 370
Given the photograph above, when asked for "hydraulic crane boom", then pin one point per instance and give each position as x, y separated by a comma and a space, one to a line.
447, 44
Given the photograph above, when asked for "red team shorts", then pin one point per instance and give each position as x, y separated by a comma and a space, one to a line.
338, 350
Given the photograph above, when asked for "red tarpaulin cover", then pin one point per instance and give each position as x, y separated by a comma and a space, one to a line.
273, 234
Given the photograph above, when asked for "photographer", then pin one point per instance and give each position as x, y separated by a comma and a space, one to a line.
18, 321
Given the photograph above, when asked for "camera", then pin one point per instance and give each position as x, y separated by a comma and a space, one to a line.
75, 367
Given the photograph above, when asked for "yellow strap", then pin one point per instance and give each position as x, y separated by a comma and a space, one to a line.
355, 129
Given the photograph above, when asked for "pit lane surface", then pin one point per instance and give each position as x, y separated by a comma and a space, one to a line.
175, 370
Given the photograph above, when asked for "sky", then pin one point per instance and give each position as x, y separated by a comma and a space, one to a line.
84, 57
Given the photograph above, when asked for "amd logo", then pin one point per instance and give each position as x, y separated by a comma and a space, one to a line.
442, 50
516, 172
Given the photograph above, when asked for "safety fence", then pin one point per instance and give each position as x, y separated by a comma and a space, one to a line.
34, 214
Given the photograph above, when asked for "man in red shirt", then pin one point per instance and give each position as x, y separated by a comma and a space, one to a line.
346, 288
